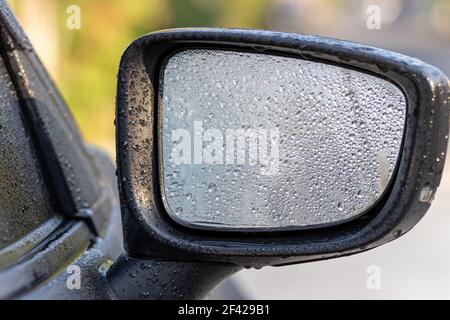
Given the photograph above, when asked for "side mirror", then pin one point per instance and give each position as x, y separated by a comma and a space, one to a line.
261, 148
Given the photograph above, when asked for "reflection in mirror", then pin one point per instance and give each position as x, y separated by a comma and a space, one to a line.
256, 141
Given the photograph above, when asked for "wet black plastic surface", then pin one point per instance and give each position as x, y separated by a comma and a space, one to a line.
150, 233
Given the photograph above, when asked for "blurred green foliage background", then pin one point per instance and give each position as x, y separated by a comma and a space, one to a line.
84, 61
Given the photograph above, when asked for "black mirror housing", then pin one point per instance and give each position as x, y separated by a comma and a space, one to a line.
150, 232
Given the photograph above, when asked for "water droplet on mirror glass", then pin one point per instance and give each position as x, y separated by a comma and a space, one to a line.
276, 149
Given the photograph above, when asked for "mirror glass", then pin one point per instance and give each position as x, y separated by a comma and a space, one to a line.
257, 141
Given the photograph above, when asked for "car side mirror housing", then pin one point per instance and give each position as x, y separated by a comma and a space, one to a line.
261, 148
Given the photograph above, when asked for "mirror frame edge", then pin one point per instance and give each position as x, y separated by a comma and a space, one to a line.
149, 234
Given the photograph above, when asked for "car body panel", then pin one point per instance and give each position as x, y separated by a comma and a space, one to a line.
80, 180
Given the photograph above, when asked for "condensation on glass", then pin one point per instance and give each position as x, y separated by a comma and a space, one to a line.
25, 203
254, 141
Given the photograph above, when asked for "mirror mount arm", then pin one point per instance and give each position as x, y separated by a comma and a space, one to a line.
133, 278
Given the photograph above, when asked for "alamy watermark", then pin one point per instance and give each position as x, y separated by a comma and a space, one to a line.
73, 281
373, 281
73, 21
213, 146
373, 21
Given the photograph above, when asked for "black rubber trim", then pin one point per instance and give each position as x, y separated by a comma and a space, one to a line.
46, 261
